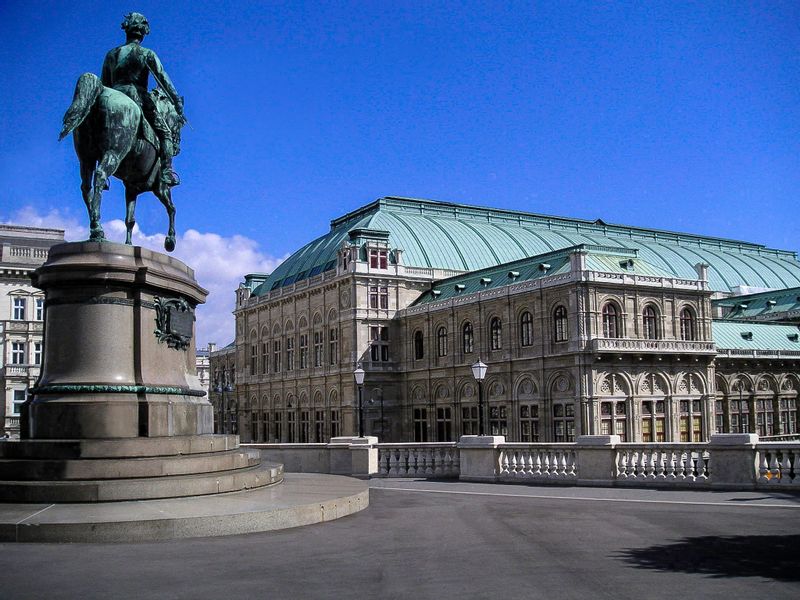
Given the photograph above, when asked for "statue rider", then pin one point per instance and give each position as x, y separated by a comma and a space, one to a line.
126, 69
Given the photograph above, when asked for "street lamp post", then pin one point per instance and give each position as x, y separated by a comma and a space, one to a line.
358, 375
479, 373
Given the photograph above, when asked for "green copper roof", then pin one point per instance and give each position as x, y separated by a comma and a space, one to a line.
467, 238
733, 335
763, 306
598, 258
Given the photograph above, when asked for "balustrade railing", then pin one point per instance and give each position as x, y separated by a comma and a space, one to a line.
779, 464
537, 463
662, 463
418, 460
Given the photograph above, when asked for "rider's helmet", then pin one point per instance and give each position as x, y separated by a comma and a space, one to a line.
136, 24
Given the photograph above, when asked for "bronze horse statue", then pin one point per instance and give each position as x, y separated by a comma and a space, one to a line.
112, 137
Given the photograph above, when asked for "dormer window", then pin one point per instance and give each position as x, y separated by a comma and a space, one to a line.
378, 259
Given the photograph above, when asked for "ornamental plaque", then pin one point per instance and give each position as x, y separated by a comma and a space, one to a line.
174, 322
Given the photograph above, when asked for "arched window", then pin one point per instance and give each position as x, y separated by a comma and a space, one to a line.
495, 334
441, 341
610, 320
468, 339
419, 346
526, 329
688, 329
560, 330
650, 323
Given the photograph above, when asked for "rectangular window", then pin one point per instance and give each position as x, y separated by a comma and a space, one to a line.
265, 426
335, 421
319, 426
384, 297
19, 309
276, 357
37, 353
317, 348
378, 259
564, 422
304, 351
264, 358
498, 422
40, 309
253, 359
469, 420
444, 424
18, 353
333, 346
691, 421
279, 427
254, 426
420, 424
373, 296
290, 427
305, 426
529, 422
379, 344
290, 354
19, 399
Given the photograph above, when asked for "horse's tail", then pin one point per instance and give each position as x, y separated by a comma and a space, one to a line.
87, 90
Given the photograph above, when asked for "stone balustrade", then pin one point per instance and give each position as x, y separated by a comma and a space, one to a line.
440, 460
727, 461
662, 463
555, 463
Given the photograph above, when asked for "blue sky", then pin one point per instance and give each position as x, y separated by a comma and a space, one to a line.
669, 115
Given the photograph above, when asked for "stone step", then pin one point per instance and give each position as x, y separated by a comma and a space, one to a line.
302, 499
118, 447
111, 490
27, 469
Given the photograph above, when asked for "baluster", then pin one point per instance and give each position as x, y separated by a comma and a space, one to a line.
671, 465
393, 463
660, 464
763, 469
621, 464
383, 462
702, 464
537, 463
652, 459
410, 462
429, 457
688, 466
774, 469
515, 467
641, 464
456, 462
571, 464
546, 463
448, 462
437, 462
562, 464
529, 467
503, 462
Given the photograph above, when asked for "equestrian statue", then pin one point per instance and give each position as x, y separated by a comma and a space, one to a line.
121, 129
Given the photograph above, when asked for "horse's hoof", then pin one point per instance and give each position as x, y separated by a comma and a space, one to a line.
169, 243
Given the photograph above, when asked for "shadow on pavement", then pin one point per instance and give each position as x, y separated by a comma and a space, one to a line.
769, 556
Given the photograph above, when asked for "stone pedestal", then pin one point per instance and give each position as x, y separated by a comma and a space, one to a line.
480, 460
118, 412
119, 348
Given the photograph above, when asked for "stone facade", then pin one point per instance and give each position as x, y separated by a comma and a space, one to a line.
588, 340
22, 249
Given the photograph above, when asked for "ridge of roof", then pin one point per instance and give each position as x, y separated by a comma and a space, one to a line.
457, 210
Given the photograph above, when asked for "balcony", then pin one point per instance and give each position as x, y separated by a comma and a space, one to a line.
623, 345
17, 370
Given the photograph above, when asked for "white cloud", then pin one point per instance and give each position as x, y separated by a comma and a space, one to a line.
219, 263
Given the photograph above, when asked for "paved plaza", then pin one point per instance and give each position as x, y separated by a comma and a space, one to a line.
426, 539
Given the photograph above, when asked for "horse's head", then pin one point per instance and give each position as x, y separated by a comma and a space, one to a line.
174, 121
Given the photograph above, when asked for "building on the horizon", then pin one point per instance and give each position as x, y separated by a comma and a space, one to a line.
586, 327
22, 249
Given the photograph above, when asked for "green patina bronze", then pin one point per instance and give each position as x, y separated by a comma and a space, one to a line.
121, 129
174, 322
113, 389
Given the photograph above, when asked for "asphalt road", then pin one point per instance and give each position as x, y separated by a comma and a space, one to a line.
422, 539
